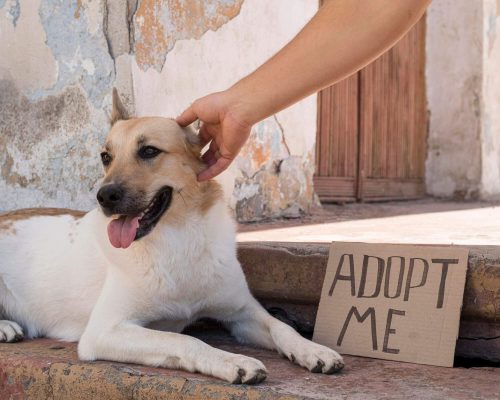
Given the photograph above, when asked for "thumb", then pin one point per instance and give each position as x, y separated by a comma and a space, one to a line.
187, 117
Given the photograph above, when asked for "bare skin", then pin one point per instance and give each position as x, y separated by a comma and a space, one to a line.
343, 37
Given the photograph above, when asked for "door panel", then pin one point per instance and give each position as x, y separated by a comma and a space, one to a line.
372, 127
337, 141
393, 121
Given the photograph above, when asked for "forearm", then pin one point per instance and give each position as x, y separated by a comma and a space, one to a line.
343, 37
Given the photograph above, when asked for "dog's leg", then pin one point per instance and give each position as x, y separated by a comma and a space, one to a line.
127, 342
10, 332
253, 324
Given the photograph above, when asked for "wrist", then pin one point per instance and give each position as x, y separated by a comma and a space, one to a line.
246, 103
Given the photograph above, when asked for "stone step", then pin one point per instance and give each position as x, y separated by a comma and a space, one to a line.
287, 278
47, 369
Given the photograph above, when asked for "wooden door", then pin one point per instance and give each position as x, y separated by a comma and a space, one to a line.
372, 128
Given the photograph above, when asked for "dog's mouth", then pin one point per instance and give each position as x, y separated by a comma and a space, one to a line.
122, 231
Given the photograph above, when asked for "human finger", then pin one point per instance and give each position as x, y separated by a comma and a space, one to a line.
214, 170
187, 117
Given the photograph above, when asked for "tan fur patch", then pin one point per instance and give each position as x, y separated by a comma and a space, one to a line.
211, 193
7, 219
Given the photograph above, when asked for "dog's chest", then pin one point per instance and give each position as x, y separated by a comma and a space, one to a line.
184, 271
184, 290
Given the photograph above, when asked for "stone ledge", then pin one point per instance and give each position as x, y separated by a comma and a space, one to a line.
288, 277
47, 369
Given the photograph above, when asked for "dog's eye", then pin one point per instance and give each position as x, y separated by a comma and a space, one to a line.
106, 158
148, 152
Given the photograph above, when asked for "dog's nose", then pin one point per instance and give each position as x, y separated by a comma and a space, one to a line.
110, 195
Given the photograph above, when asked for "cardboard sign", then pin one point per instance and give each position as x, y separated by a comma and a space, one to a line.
396, 302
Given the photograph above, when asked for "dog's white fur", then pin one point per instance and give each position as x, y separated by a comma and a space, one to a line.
61, 278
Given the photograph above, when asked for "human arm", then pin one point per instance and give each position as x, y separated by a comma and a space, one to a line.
343, 37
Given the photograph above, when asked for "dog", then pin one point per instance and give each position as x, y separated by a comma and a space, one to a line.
159, 246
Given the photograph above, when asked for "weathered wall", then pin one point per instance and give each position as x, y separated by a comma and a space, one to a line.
454, 76
61, 59
490, 123
273, 175
463, 60
56, 75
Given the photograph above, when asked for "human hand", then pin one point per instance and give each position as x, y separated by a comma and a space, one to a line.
223, 126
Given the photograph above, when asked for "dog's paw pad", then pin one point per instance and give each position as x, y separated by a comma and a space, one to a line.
10, 332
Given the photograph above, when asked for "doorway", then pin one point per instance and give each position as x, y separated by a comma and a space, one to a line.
372, 128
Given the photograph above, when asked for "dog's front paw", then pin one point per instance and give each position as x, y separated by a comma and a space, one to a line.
10, 332
317, 358
242, 369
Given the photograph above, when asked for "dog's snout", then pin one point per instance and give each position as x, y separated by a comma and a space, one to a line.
110, 195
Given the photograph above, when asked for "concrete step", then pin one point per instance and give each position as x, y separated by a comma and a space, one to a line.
47, 369
287, 278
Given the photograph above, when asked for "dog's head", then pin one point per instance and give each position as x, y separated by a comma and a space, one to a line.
148, 162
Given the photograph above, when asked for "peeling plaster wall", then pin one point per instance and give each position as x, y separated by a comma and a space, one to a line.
273, 175
56, 76
158, 24
454, 76
463, 93
490, 184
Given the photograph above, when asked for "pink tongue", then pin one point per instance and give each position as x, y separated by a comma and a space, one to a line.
121, 231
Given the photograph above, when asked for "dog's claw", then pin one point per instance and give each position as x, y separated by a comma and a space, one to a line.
318, 367
338, 366
241, 374
10, 332
259, 376
18, 338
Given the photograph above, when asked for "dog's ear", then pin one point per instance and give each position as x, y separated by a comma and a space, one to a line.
192, 141
118, 112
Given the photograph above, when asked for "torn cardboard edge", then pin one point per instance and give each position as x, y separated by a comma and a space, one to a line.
392, 301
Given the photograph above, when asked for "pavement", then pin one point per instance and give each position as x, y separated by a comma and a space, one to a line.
427, 221
47, 369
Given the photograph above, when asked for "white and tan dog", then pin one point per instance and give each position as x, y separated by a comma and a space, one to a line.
168, 253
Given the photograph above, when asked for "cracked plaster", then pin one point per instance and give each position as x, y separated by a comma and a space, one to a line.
159, 24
